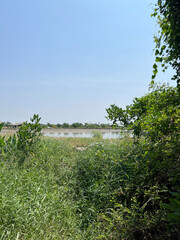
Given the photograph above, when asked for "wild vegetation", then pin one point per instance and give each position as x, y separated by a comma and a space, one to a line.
95, 188
167, 49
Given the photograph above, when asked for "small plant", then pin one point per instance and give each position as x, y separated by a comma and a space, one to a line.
7, 143
28, 135
97, 135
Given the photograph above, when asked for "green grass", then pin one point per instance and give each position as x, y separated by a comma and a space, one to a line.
81, 189
37, 197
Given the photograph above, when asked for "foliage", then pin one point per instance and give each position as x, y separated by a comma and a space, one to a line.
77, 125
120, 188
167, 49
155, 115
173, 206
7, 143
24, 141
36, 197
28, 135
65, 125
80, 125
155, 119
110, 190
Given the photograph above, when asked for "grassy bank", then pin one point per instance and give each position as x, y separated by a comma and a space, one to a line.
83, 189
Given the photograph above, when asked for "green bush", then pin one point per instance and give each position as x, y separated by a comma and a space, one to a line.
120, 192
29, 134
173, 207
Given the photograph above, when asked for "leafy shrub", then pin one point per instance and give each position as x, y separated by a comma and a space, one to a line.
155, 115
24, 142
120, 192
28, 135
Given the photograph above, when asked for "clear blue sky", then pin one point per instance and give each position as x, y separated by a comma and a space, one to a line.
68, 60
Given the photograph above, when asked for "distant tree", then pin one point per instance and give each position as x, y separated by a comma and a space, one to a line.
65, 125
49, 125
103, 125
86, 125
167, 50
6, 123
77, 125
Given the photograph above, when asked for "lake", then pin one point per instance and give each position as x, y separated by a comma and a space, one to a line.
84, 133
76, 133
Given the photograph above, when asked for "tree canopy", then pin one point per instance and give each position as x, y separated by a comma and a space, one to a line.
167, 50
154, 115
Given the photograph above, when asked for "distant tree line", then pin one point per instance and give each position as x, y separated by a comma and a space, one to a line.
73, 125
79, 125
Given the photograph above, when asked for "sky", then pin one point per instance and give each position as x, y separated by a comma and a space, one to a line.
69, 60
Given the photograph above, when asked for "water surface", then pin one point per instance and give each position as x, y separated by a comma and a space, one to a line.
108, 134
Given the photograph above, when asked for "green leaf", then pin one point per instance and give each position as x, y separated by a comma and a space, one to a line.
155, 66
158, 59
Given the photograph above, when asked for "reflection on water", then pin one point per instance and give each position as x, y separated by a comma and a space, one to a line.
105, 135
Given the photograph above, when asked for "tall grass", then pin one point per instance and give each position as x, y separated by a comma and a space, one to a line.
83, 189
36, 198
